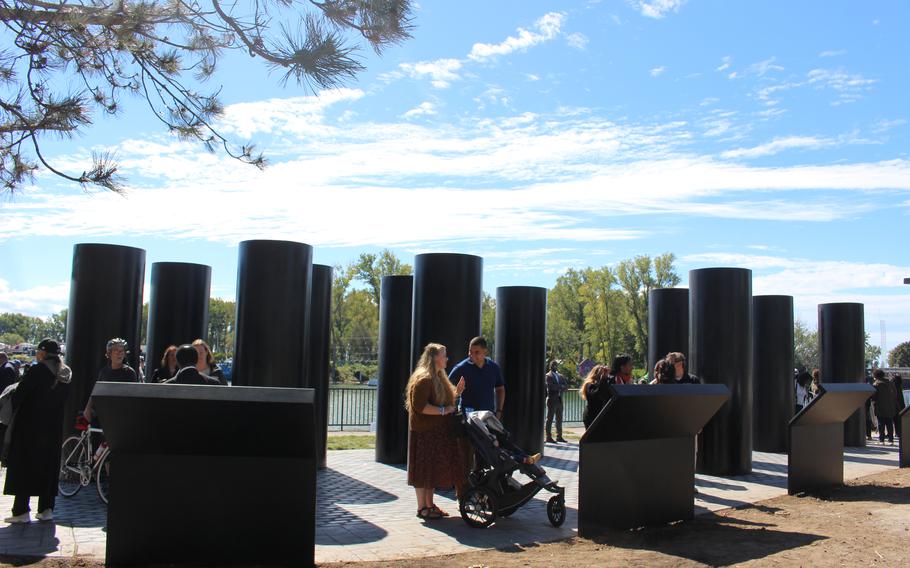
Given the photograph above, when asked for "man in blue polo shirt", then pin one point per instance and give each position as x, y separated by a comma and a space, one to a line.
484, 388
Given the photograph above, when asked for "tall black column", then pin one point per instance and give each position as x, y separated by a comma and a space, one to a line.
318, 353
178, 308
447, 303
105, 302
273, 292
521, 351
720, 351
772, 372
397, 294
668, 323
842, 350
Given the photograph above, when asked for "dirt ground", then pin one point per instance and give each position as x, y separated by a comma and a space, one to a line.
866, 523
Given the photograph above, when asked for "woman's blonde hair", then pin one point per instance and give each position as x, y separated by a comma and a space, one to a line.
209, 357
443, 391
598, 374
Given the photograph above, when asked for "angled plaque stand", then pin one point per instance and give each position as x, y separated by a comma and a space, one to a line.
637, 460
198, 474
816, 456
904, 419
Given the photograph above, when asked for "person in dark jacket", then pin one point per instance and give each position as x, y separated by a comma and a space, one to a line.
595, 391
885, 405
678, 360
9, 375
664, 373
32, 456
898, 382
556, 385
206, 364
168, 367
187, 357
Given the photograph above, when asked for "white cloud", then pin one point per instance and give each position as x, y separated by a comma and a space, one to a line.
299, 115
833, 53
547, 28
532, 77
423, 109
725, 63
441, 72
848, 86
577, 40
657, 8
779, 145
762, 68
657, 71
38, 301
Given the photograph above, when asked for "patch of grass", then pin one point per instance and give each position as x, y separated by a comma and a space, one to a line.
353, 442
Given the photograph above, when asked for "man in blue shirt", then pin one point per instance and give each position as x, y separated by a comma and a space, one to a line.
485, 388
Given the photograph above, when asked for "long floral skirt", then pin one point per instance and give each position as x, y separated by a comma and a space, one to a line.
435, 460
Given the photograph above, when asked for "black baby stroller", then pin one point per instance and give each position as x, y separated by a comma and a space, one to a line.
493, 492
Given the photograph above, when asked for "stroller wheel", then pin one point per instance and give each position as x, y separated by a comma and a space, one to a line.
478, 508
556, 510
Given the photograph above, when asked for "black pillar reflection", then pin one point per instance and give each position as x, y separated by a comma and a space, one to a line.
318, 356
105, 302
521, 350
178, 308
720, 335
772, 372
396, 296
842, 353
668, 323
447, 303
273, 291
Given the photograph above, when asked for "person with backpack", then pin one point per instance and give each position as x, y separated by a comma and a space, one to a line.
556, 385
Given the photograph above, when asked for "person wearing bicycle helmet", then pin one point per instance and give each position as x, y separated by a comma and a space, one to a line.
35, 435
116, 370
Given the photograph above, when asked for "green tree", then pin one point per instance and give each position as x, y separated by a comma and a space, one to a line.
27, 327
144, 325
488, 320
341, 281
370, 268
163, 52
637, 277
11, 339
55, 326
566, 318
805, 347
873, 354
221, 326
900, 355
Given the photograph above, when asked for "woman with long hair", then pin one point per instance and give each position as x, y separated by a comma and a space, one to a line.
206, 362
168, 367
595, 391
434, 459
622, 370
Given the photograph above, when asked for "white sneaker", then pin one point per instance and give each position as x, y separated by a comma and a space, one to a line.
45, 515
18, 519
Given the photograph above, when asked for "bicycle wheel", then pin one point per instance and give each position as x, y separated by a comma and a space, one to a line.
73, 462
102, 476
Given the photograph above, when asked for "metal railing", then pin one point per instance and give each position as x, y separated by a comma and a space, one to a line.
351, 407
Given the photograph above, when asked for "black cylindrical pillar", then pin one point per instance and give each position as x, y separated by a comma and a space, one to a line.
772, 372
668, 324
720, 351
521, 351
178, 308
273, 292
842, 350
396, 295
447, 303
318, 368
105, 302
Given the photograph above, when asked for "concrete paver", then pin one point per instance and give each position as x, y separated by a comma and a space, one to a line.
366, 511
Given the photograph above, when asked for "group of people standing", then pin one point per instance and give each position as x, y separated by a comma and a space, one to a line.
886, 404
32, 408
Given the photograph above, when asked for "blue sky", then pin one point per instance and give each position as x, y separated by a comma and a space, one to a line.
542, 136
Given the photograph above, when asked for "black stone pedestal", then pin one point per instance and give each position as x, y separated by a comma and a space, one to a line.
816, 456
394, 368
105, 302
904, 419
774, 397
198, 471
637, 460
842, 350
521, 351
318, 353
178, 308
668, 324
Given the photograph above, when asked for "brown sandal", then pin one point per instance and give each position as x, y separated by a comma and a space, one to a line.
438, 511
428, 514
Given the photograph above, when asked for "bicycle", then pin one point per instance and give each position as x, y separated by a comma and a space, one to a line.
80, 463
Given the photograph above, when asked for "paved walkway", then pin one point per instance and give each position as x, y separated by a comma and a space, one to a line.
367, 512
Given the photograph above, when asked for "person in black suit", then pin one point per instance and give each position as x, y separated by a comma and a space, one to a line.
188, 374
